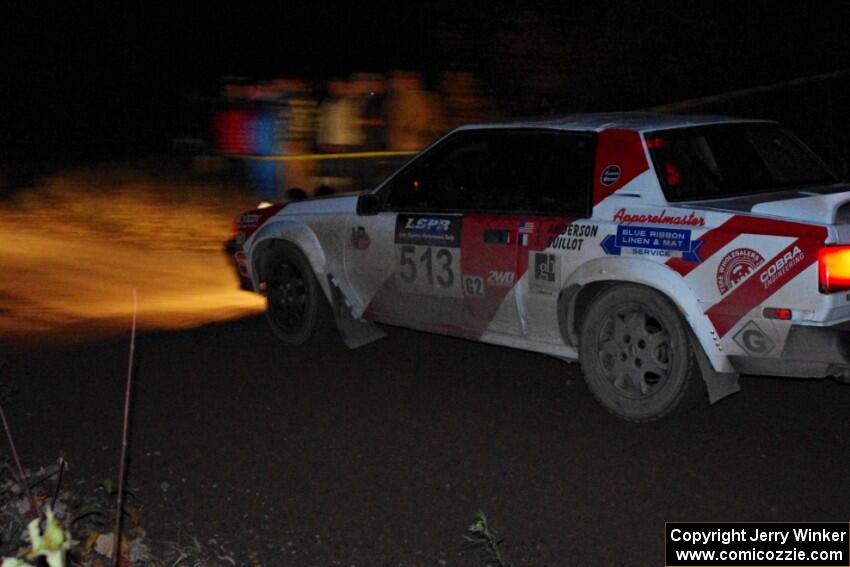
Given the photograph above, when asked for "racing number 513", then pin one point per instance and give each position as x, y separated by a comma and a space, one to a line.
443, 257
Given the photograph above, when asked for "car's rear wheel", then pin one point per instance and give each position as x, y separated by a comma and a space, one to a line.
635, 354
296, 306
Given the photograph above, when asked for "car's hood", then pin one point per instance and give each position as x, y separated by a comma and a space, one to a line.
806, 206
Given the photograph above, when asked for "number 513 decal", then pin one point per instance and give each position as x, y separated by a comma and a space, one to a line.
425, 265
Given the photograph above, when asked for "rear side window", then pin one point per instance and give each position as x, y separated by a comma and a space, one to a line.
517, 171
728, 160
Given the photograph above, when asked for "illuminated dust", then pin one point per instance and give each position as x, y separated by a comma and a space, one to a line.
77, 244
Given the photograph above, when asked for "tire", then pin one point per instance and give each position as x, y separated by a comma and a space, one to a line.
635, 354
296, 306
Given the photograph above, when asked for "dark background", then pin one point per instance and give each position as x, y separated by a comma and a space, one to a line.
89, 82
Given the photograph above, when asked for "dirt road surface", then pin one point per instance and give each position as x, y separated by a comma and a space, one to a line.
383, 456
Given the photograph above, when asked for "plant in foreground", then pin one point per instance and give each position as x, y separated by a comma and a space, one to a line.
51, 544
481, 536
54, 542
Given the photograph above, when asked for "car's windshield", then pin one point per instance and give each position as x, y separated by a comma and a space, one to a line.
728, 160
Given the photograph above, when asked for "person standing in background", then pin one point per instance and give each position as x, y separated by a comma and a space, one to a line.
414, 116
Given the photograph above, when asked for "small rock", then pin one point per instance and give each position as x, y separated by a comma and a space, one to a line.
139, 553
104, 543
23, 506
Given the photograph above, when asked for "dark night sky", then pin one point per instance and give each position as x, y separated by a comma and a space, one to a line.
101, 79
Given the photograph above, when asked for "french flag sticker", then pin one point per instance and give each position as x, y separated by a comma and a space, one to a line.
525, 228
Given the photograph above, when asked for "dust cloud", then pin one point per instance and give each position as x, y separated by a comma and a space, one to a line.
75, 248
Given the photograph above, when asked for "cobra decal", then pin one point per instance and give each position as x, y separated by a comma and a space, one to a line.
769, 279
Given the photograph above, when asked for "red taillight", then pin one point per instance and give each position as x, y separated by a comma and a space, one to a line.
834, 268
781, 313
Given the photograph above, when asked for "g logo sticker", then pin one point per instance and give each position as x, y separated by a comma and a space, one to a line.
753, 340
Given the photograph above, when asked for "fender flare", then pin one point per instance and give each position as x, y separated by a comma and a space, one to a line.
662, 279
298, 234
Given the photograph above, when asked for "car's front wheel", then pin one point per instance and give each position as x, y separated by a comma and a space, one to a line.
635, 354
296, 306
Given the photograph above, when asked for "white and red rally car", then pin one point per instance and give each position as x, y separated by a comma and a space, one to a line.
644, 246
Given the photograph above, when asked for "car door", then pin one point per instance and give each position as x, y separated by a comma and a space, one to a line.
438, 280
539, 183
555, 170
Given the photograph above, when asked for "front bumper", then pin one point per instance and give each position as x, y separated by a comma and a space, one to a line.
809, 352
239, 262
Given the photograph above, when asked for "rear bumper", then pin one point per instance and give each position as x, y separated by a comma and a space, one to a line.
809, 352
239, 263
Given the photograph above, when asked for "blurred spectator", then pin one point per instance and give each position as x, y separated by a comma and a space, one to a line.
265, 142
299, 116
370, 94
414, 116
463, 102
339, 132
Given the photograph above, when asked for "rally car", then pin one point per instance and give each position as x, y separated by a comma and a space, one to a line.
644, 246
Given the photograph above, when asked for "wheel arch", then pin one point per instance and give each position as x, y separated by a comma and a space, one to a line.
596, 276
298, 234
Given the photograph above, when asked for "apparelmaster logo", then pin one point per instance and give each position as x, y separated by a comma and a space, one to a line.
736, 266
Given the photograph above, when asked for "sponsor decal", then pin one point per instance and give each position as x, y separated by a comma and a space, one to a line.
780, 266
652, 241
610, 175
501, 278
717, 238
690, 219
544, 267
360, 238
753, 340
736, 266
434, 230
572, 236
767, 280
621, 147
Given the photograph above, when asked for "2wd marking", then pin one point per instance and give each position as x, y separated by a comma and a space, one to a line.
501, 279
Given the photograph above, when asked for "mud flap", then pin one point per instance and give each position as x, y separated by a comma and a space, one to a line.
355, 332
718, 384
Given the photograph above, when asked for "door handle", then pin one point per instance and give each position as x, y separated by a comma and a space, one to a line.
497, 236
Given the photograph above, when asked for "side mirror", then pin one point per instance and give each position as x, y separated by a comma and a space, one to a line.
368, 204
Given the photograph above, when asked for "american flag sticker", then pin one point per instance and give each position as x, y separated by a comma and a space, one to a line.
526, 227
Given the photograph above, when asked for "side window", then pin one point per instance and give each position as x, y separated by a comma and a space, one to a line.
450, 177
500, 171
547, 172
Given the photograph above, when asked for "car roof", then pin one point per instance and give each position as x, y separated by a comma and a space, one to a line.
639, 121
